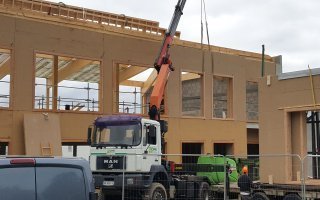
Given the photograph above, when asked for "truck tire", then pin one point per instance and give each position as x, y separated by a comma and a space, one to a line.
101, 195
260, 196
203, 191
292, 197
156, 192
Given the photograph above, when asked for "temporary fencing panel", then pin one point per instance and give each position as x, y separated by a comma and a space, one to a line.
211, 177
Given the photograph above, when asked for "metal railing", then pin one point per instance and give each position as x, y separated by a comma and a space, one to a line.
132, 101
84, 103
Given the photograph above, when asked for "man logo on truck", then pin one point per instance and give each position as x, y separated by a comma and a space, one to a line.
110, 161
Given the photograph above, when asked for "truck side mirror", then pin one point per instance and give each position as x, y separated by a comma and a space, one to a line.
89, 135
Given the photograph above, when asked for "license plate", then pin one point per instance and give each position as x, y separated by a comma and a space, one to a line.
108, 183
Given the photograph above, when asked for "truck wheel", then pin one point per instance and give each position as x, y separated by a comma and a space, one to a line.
203, 191
260, 196
101, 195
156, 192
292, 197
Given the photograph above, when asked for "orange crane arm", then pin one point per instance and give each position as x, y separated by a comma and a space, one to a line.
158, 90
163, 64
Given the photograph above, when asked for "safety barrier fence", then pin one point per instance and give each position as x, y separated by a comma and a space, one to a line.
186, 176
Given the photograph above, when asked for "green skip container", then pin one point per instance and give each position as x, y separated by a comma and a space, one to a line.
216, 175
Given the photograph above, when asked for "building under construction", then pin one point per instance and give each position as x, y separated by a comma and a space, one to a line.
72, 65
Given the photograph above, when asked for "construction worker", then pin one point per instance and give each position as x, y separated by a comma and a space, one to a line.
245, 184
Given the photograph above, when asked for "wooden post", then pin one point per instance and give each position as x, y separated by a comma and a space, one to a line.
48, 87
55, 82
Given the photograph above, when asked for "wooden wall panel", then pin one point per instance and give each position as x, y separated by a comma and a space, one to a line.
42, 134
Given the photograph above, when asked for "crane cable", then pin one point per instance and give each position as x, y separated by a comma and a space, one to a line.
202, 37
203, 9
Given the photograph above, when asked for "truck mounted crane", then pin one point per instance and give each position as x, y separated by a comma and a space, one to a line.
126, 150
163, 64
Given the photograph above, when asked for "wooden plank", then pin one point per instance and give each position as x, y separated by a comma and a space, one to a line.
42, 129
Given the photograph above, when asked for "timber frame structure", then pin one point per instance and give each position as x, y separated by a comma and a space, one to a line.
56, 34
206, 103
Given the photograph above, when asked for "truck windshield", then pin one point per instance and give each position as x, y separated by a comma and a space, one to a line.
117, 135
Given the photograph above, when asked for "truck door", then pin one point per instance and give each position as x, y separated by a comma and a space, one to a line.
17, 183
59, 182
153, 140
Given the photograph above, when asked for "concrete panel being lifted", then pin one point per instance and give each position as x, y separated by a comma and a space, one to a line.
42, 134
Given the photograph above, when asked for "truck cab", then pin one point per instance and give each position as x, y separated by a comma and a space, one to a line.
125, 150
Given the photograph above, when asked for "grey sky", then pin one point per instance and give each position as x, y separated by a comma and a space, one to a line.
287, 27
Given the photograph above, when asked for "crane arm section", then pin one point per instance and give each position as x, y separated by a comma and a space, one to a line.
163, 64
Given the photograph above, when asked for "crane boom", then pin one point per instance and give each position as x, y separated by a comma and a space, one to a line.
163, 64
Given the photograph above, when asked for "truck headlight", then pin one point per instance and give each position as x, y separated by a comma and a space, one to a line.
130, 181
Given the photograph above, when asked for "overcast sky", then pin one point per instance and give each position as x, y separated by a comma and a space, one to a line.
290, 28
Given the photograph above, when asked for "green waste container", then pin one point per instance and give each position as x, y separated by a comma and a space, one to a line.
217, 175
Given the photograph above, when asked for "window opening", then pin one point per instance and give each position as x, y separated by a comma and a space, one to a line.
68, 83
252, 101
5, 77
222, 97
191, 148
192, 90
133, 88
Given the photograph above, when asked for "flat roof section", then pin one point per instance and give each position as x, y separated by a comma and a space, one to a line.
298, 74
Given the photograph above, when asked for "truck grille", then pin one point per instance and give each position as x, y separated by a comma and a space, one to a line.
111, 162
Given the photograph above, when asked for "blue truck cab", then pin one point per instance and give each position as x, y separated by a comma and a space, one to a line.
45, 178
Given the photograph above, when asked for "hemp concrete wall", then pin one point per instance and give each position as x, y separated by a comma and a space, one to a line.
282, 110
27, 36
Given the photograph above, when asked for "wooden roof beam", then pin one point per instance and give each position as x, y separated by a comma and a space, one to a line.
189, 76
130, 72
5, 68
132, 83
73, 67
149, 82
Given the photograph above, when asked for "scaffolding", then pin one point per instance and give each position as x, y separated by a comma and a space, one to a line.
65, 103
